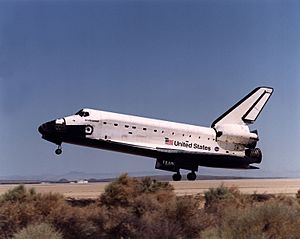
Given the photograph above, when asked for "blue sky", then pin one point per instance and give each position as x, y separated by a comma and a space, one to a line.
185, 61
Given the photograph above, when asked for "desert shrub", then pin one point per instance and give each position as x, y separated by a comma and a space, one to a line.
146, 208
18, 194
120, 192
20, 207
80, 202
115, 217
178, 217
219, 194
119, 222
124, 190
298, 196
272, 219
185, 213
78, 222
148, 185
129, 208
285, 200
16, 215
127, 200
152, 217
258, 198
218, 200
38, 231
157, 225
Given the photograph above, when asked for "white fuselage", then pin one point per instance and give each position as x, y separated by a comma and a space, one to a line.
152, 133
228, 143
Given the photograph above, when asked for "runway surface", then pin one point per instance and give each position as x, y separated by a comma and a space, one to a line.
287, 187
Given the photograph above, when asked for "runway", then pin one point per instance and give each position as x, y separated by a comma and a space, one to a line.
288, 187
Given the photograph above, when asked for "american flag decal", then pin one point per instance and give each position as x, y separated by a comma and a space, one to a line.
169, 141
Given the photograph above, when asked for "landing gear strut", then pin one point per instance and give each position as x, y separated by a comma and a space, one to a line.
58, 151
176, 176
191, 176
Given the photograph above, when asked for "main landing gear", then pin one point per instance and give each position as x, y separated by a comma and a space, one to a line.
190, 176
176, 176
175, 166
58, 151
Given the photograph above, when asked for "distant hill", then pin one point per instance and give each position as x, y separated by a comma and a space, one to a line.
204, 174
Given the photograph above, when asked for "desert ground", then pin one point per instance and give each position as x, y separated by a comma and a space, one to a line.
288, 187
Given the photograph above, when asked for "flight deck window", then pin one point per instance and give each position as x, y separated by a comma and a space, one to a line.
83, 113
79, 112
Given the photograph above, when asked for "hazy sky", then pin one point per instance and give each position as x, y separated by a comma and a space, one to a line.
185, 61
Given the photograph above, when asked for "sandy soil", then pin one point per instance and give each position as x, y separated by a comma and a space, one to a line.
93, 190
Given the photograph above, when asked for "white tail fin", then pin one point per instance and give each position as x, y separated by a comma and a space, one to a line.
246, 110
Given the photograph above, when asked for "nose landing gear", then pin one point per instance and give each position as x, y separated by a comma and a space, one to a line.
58, 151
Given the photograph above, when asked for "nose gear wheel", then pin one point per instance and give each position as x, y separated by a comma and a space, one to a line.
58, 151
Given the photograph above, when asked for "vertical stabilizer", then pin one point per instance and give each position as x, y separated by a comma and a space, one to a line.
246, 110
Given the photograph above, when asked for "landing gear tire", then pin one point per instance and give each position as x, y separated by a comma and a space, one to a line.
191, 176
58, 151
176, 177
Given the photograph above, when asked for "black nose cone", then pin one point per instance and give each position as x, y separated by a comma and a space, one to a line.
50, 133
47, 128
41, 129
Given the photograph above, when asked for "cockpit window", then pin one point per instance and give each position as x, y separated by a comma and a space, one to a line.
83, 113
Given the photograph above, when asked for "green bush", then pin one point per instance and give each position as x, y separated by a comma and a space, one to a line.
38, 231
